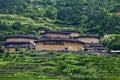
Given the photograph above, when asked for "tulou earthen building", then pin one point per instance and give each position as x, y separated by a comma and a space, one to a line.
65, 40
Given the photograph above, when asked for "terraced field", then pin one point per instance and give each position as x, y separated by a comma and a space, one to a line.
58, 66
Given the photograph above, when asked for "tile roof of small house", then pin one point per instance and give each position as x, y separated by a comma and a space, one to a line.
100, 47
94, 45
21, 36
59, 39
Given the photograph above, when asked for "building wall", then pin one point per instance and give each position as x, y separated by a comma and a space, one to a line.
57, 35
89, 40
49, 46
72, 46
20, 39
58, 47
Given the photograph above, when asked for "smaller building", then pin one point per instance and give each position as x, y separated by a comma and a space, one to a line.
88, 39
16, 46
95, 48
115, 51
20, 38
73, 33
19, 42
59, 44
56, 34
61, 34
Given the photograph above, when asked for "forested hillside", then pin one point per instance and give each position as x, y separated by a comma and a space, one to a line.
87, 16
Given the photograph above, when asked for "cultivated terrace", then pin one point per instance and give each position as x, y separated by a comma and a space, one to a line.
58, 66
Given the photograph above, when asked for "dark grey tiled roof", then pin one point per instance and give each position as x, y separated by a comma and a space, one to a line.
100, 47
56, 32
62, 32
94, 44
59, 40
13, 43
13, 46
21, 36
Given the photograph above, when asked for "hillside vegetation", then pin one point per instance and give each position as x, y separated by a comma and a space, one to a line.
58, 66
87, 16
112, 42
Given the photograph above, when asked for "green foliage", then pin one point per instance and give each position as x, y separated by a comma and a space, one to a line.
89, 17
1, 49
112, 77
57, 66
112, 42
7, 54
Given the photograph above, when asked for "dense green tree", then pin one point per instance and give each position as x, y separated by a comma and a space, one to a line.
1, 48
112, 42
16, 26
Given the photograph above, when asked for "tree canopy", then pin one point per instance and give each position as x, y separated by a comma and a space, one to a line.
90, 17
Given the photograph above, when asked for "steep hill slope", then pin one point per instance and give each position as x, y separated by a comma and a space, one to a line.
87, 16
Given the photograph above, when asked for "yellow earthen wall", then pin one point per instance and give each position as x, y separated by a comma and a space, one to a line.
69, 45
72, 46
20, 39
41, 46
89, 40
57, 35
